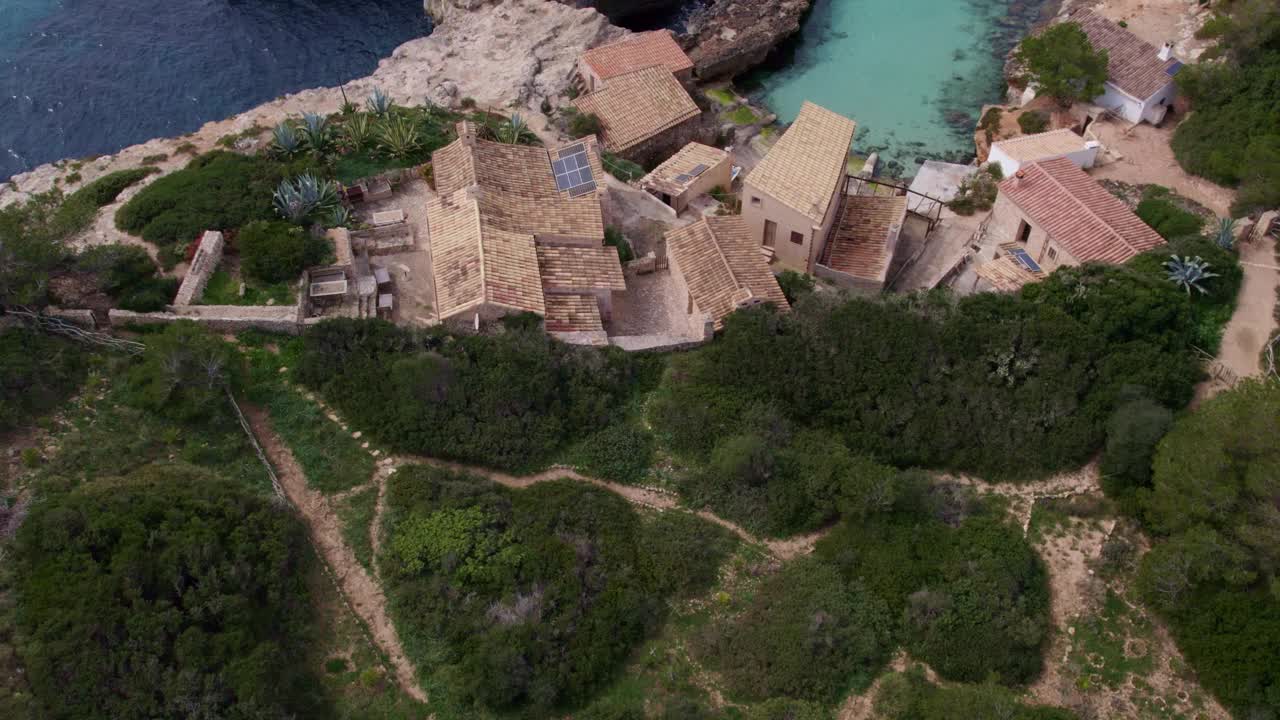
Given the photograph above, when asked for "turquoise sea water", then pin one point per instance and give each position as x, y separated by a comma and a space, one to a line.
913, 73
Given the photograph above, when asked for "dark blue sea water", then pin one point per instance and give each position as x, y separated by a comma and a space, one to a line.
81, 77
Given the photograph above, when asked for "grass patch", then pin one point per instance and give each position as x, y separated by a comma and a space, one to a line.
723, 96
742, 116
357, 166
621, 168
332, 460
223, 288
1099, 656
356, 513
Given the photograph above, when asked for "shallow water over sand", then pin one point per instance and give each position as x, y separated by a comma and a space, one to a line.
913, 73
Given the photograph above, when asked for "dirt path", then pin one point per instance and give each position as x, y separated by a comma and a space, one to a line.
782, 549
1022, 497
361, 590
1254, 319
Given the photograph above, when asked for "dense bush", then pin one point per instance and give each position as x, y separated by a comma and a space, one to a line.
622, 452
167, 594
1165, 217
129, 276
1033, 121
910, 696
1214, 571
1233, 137
37, 373
929, 380
526, 600
510, 400
1132, 433
274, 251
183, 374
808, 634
1063, 64
217, 191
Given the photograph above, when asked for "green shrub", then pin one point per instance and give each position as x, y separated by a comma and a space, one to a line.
1167, 218
621, 452
1132, 434
990, 122
583, 124
1063, 63
37, 374
30, 458
910, 696
622, 168
806, 634
128, 275
977, 193
217, 191
274, 251
613, 237
795, 285
167, 593
1034, 121
183, 374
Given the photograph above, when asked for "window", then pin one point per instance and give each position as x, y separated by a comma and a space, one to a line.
1053, 253
797, 238
1024, 232
755, 202
770, 232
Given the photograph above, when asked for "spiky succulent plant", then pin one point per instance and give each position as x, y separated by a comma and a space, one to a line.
304, 197
1188, 273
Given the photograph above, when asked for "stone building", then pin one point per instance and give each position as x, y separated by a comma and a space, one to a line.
863, 242
634, 52
790, 200
1011, 154
645, 115
719, 268
695, 170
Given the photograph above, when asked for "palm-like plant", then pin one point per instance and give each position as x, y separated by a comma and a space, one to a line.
315, 131
357, 131
378, 102
1226, 235
285, 141
515, 131
1188, 273
399, 137
305, 196
339, 216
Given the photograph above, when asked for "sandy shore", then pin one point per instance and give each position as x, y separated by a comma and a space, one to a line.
506, 56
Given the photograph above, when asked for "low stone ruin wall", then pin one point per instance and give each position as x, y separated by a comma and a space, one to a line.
203, 264
220, 318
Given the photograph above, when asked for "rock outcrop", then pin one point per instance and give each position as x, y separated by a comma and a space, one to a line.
620, 11
505, 55
731, 36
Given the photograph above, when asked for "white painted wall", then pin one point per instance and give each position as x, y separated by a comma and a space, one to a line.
1083, 158
1130, 108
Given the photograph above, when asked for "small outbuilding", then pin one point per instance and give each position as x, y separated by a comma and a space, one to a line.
720, 268
634, 52
693, 171
864, 242
1139, 86
1011, 154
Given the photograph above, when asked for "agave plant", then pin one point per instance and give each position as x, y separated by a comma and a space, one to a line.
1226, 235
284, 140
399, 137
305, 196
357, 131
339, 216
379, 103
315, 131
515, 131
1188, 273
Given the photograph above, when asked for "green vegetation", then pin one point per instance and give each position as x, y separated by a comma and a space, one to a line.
1063, 64
1166, 217
1213, 570
129, 276
1132, 433
742, 115
1233, 137
217, 191
910, 696
356, 512
37, 374
1033, 121
275, 252
621, 168
990, 123
977, 193
621, 451
33, 234
511, 400
528, 600
613, 237
223, 288
168, 592
723, 96
581, 124
795, 285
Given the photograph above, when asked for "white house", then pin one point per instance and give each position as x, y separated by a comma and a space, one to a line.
1013, 153
1139, 85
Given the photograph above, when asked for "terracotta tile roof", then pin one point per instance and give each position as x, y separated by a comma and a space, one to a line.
808, 162
722, 266
474, 262
579, 217
573, 313
1133, 64
1005, 274
637, 51
1074, 210
1041, 146
637, 106
860, 244
665, 177
572, 267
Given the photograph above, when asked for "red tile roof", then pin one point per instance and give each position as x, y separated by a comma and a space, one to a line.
723, 267
637, 51
1133, 64
1091, 223
860, 244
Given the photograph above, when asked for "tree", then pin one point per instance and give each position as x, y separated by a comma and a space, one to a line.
183, 374
1063, 63
273, 251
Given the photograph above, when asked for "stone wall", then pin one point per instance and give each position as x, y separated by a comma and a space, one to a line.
666, 143
203, 264
221, 318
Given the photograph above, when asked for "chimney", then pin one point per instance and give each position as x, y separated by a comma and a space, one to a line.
1166, 52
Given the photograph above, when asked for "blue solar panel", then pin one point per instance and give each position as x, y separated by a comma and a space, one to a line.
1021, 256
572, 170
1174, 68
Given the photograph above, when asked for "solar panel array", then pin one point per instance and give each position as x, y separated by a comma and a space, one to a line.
1174, 68
697, 170
1021, 256
573, 172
